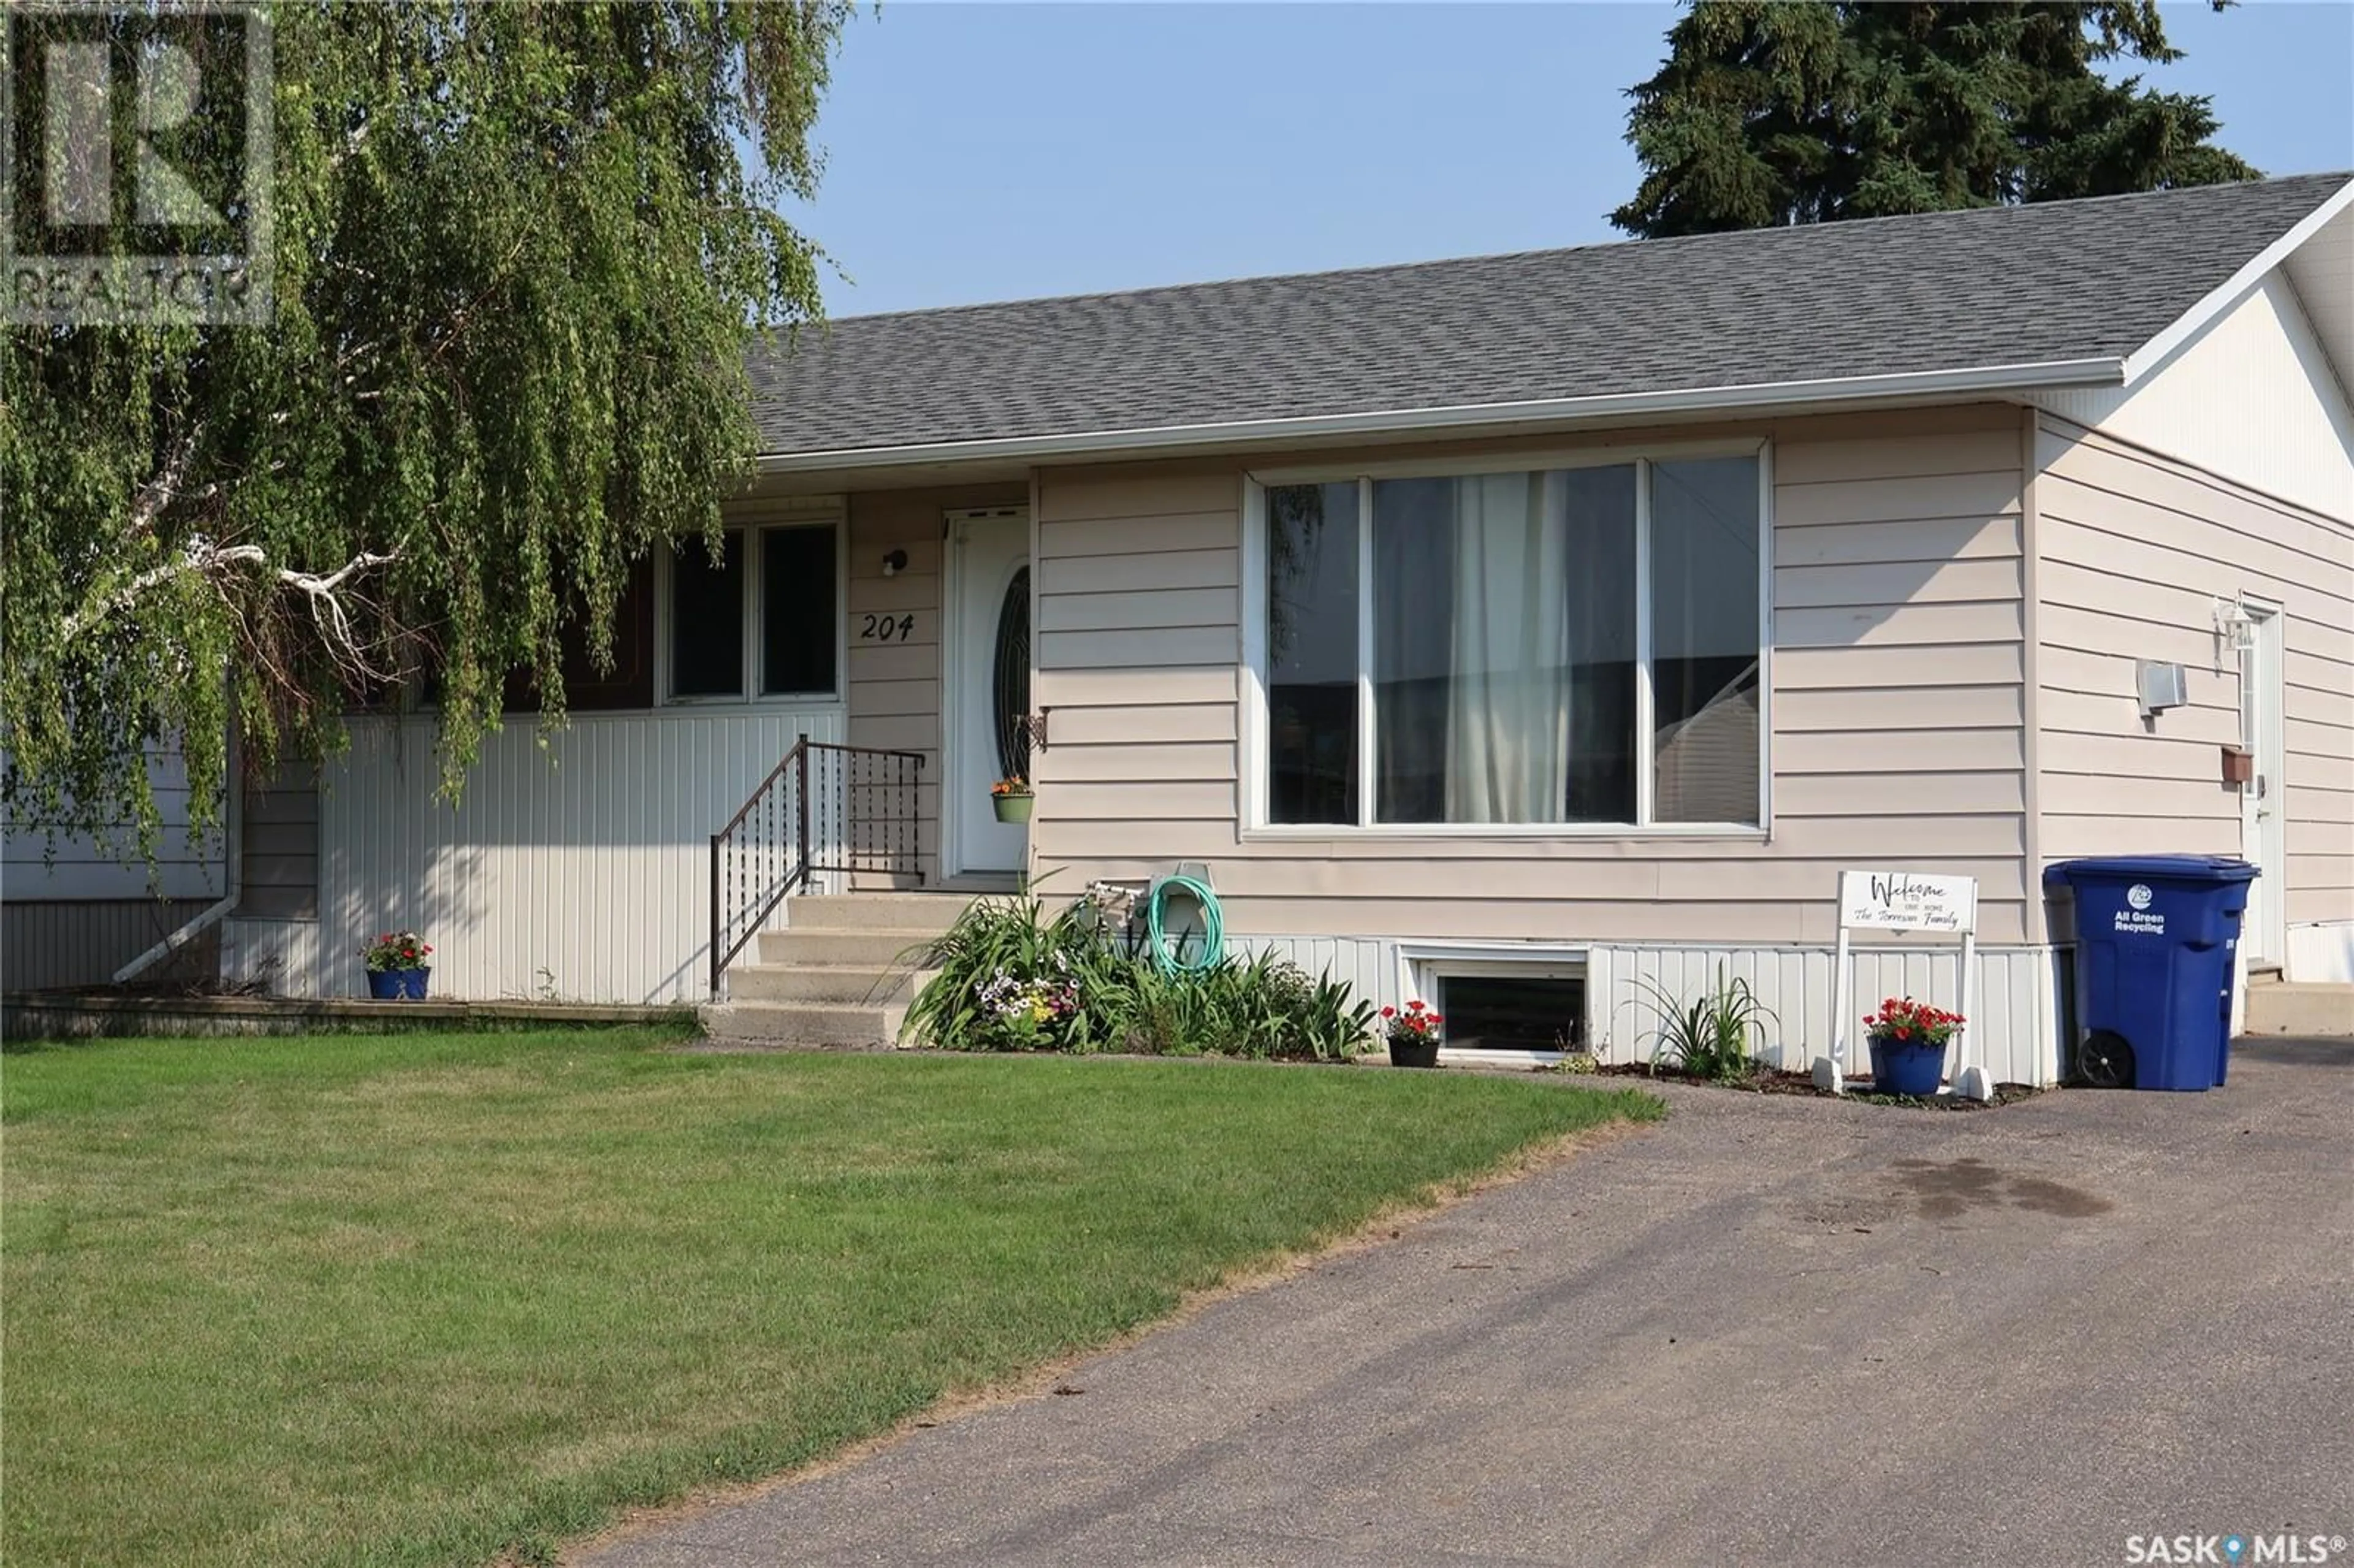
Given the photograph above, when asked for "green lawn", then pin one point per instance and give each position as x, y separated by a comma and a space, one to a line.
419, 1299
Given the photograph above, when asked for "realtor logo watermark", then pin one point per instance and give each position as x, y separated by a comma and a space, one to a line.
134, 163
2237, 1549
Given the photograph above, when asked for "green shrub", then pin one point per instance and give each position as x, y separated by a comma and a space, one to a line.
1011, 978
1708, 1036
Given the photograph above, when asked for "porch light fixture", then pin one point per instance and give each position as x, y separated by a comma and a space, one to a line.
894, 563
2235, 628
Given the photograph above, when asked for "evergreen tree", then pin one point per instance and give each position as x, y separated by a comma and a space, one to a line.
1777, 111
518, 250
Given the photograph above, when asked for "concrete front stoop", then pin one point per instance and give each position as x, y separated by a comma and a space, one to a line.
838, 974
2305, 1009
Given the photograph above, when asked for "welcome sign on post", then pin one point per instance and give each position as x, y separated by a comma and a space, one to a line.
1901, 901
1907, 901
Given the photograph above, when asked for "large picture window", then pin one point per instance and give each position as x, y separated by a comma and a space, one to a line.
771, 628
1552, 646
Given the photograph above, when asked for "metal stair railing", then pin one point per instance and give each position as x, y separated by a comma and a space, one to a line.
823, 808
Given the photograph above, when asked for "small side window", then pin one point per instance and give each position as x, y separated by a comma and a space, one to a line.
706, 620
1311, 635
798, 604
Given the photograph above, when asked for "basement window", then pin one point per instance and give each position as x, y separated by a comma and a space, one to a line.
1513, 1011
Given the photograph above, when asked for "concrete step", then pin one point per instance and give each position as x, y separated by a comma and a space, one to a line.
869, 947
2310, 1009
928, 912
860, 983
803, 1022
977, 884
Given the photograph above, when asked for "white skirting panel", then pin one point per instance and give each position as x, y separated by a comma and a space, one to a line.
288, 958
2014, 1029
580, 873
1369, 964
2321, 953
2014, 1032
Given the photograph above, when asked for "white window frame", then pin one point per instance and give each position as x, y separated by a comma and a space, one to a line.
1254, 744
1427, 967
756, 529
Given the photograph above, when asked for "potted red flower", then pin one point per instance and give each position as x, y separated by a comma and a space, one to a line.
1908, 1046
1413, 1035
398, 963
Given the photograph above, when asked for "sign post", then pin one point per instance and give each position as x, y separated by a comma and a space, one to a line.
1902, 901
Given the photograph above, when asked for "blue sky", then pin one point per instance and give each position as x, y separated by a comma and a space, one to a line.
987, 151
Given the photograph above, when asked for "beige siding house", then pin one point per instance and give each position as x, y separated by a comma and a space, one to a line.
1512, 623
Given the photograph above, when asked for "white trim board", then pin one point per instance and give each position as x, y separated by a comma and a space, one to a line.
1536, 460
2227, 293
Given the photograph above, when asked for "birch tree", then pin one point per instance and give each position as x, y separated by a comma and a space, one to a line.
519, 250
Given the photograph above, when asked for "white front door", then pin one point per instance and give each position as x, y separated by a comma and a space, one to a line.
987, 685
2263, 801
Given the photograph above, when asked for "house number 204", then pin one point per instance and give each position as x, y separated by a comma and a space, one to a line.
885, 628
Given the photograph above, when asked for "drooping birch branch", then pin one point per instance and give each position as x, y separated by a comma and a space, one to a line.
159, 492
324, 592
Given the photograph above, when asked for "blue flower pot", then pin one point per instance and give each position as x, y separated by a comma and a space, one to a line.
398, 985
1907, 1067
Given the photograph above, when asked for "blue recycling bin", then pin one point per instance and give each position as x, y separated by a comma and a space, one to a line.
2155, 940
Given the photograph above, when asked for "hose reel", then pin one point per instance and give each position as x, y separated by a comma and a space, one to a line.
1190, 883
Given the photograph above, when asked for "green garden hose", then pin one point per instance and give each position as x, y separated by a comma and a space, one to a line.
1167, 957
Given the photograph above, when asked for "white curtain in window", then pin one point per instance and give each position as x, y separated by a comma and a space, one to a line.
1508, 715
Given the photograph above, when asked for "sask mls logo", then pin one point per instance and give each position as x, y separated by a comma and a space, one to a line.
2138, 895
2236, 1550
134, 163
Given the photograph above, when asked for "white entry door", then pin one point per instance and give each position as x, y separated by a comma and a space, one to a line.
2263, 801
987, 686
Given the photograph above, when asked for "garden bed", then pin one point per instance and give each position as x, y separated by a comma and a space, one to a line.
1773, 1081
1011, 975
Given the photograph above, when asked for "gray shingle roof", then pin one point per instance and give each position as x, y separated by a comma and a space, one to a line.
1999, 286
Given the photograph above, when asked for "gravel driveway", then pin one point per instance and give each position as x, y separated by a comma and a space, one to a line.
1771, 1330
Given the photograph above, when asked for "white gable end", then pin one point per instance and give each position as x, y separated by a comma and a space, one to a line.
2251, 396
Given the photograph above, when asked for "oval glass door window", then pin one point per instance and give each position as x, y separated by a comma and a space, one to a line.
1010, 681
